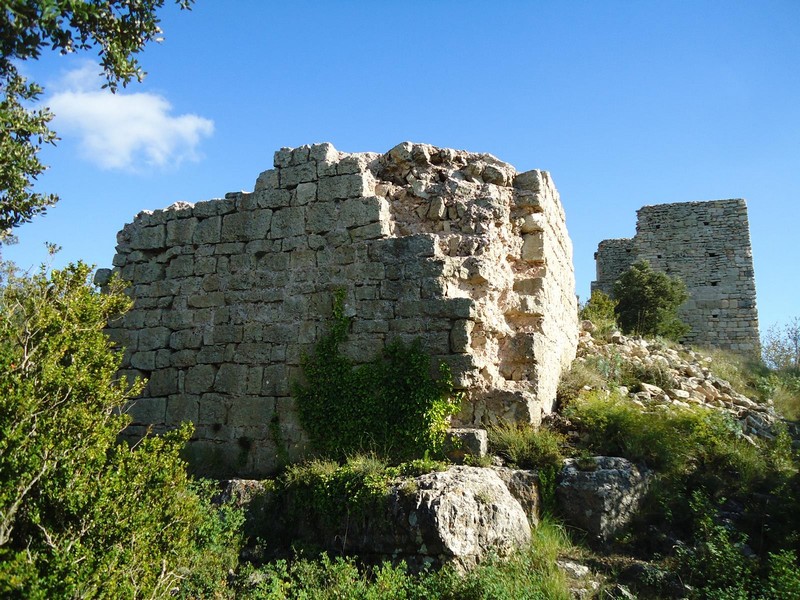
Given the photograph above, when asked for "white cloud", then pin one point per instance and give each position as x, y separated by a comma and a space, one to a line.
123, 130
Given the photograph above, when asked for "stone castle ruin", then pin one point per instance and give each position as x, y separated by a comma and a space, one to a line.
707, 245
454, 248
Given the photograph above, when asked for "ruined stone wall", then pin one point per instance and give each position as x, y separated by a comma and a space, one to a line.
706, 244
451, 247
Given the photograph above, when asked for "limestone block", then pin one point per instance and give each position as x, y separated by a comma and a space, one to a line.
533, 247
288, 222
246, 412
373, 231
529, 180
246, 226
305, 193
153, 338
208, 230
200, 379
180, 231
603, 499
231, 379
460, 336
163, 382
266, 180
290, 177
355, 212
524, 486
206, 300
147, 410
341, 187
322, 217
182, 408
148, 238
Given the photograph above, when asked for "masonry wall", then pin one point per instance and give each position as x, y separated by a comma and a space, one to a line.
706, 244
451, 247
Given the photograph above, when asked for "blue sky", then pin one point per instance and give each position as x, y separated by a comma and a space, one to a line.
625, 103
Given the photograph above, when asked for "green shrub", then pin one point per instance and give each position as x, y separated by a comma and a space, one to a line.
526, 446
599, 309
582, 373
390, 405
648, 301
714, 565
82, 515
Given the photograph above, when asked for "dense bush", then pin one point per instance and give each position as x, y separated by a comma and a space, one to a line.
80, 514
391, 405
648, 301
599, 309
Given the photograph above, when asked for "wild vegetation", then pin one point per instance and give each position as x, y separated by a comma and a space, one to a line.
83, 514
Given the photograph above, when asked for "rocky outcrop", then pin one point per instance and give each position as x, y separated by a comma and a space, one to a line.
600, 495
684, 379
454, 248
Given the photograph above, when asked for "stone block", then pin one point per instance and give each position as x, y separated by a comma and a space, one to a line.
144, 361
246, 226
322, 217
186, 339
200, 379
291, 177
208, 230
148, 238
341, 187
180, 266
147, 411
288, 222
460, 336
180, 231
206, 300
163, 382
153, 338
305, 193
355, 212
250, 411
231, 379
266, 180
182, 408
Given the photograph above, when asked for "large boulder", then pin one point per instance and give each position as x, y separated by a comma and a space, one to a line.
457, 516
601, 494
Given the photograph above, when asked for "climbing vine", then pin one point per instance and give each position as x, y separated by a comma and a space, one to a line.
390, 405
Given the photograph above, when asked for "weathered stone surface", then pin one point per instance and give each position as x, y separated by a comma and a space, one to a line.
707, 245
466, 441
524, 486
443, 245
600, 495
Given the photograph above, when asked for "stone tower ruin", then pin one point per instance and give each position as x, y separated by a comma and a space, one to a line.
453, 248
707, 245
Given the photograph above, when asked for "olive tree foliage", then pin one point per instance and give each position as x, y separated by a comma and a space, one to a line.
82, 514
780, 346
648, 301
118, 29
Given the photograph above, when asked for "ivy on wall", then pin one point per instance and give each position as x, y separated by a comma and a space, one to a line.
391, 405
